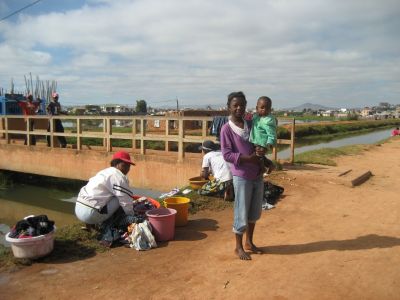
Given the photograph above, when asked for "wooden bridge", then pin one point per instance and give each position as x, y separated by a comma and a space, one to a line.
165, 149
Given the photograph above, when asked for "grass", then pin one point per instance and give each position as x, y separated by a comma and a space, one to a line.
325, 156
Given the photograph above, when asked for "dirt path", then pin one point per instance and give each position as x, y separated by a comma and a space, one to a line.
324, 240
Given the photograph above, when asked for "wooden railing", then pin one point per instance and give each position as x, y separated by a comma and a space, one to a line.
139, 131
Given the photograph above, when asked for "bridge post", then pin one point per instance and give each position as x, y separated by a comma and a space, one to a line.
78, 134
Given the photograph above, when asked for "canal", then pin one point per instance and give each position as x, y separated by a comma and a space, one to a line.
366, 138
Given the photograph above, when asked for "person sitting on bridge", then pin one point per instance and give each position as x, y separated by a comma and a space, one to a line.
106, 199
29, 108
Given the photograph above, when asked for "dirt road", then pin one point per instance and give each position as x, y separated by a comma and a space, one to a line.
324, 240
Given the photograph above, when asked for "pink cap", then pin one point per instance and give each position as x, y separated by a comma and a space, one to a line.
55, 95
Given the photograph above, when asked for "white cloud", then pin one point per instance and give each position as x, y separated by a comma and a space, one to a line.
199, 51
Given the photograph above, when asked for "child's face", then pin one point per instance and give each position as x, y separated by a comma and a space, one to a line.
262, 108
237, 107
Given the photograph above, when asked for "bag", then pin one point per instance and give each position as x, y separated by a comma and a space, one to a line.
272, 193
141, 237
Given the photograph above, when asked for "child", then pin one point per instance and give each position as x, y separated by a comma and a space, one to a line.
246, 170
263, 131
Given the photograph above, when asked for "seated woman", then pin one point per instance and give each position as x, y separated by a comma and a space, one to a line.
215, 165
107, 199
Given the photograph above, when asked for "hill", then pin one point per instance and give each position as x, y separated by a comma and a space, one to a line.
309, 106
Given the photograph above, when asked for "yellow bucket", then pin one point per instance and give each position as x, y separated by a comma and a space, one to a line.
181, 205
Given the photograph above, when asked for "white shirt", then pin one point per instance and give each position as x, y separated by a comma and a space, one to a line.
217, 165
105, 185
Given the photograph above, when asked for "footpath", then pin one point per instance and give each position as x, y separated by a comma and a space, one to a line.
324, 240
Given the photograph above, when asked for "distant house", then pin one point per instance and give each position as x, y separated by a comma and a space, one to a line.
327, 113
115, 108
366, 112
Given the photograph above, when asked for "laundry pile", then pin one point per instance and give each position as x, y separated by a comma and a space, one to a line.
141, 205
31, 226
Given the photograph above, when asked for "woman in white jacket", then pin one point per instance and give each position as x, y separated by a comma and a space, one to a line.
100, 199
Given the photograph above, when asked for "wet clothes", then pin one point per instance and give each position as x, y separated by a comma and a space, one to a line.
32, 226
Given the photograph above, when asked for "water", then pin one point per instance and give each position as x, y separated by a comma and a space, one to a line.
368, 138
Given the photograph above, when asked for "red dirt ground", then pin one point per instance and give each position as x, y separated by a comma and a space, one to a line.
324, 240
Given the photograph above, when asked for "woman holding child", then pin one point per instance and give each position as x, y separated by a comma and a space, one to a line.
246, 168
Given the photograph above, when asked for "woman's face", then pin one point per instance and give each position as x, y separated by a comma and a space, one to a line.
237, 107
124, 167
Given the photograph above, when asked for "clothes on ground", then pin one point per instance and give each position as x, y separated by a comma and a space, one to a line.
113, 228
171, 193
141, 237
217, 123
32, 226
272, 194
263, 132
217, 166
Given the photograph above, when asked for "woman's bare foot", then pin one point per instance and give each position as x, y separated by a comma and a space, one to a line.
253, 248
242, 254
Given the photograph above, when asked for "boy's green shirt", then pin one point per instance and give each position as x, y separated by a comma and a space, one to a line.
263, 131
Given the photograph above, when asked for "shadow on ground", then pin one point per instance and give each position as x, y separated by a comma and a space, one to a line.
195, 230
365, 242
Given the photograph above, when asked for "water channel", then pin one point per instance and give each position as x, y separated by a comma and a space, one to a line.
23, 199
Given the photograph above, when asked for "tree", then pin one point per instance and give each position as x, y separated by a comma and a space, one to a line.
141, 106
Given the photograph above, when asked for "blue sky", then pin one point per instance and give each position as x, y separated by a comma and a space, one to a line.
335, 53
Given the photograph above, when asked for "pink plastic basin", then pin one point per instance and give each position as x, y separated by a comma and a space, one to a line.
163, 222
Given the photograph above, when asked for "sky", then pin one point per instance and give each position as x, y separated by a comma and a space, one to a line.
337, 53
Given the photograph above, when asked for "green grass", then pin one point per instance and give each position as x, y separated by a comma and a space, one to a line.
325, 156
318, 130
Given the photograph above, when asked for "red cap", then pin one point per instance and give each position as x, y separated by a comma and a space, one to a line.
124, 156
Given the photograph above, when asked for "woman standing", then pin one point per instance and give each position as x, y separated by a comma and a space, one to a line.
247, 174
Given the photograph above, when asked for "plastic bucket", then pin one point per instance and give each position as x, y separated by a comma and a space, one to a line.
162, 221
181, 205
34, 247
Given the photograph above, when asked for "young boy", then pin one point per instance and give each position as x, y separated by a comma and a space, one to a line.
263, 131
